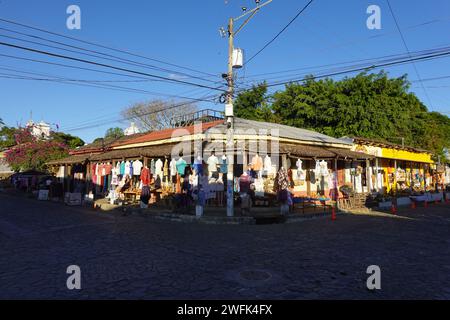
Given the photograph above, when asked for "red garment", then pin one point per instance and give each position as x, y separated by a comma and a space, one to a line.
100, 169
93, 176
108, 169
145, 176
244, 182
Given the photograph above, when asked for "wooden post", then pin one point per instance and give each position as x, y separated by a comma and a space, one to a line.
284, 161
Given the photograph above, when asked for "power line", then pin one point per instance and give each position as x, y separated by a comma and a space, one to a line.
279, 33
127, 118
105, 47
368, 67
368, 64
97, 54
343, 63
105, 65
407, 50
88, 83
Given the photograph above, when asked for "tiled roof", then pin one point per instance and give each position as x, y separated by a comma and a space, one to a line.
167, 133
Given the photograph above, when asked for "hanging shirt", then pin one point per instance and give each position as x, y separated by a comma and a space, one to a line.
122, 168
299, 164
257, 163
152, 166
181, 166
108, 169
212, 162
137, 167
131, 168
166, 168
127, 167
323, 168
267, 164
115, 179
173, 167
158, 168
224, 166
198, 166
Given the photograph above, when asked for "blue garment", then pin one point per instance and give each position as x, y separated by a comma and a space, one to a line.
122, 168
131, 168
224, 166
198, 167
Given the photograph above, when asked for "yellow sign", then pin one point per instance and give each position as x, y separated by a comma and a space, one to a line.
406, 155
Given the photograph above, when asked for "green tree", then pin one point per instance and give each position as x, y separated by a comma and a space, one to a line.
71, 141
253, 104
367, 105
7, 137
114, 133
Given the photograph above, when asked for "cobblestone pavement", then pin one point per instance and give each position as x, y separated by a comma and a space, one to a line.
136, 257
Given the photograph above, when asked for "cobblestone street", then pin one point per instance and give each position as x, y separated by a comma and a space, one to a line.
138, 257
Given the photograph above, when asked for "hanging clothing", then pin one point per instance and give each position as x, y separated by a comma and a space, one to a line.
131, 168
145, 176
108, 169
152, 166
181, 166
323, 167
137, 167
127, 167
257, 163
281, 180
115, 179
173, 167
224, 165
166, 168
268, 164
212, 162
122, 168
159, 168
198, 166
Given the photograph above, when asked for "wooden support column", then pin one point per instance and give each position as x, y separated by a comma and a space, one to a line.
284, 161
336, 178
368, 176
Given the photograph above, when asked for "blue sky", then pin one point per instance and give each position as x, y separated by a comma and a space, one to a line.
186, 33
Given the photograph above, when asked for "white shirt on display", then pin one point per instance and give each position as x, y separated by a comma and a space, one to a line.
213, 161
137, 167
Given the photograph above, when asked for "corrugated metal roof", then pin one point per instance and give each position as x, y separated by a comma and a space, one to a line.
284, 131
167, 133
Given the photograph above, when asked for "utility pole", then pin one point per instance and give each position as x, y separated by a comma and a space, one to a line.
229, 109
229, 113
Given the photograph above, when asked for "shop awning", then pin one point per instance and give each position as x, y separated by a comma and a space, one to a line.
135, 153
307, 151
70, 160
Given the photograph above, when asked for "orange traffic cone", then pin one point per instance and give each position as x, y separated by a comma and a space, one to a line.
413, 204
393, 209
333, 213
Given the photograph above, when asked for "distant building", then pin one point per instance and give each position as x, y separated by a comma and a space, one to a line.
4, 167
132, 129
39, 130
